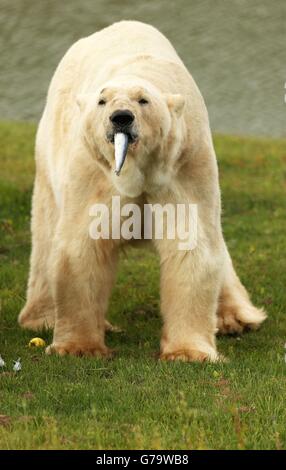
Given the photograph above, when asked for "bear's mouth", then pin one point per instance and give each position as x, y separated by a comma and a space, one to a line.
131, 135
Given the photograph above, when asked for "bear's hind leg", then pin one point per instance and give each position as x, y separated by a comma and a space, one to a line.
39, 310
235, 312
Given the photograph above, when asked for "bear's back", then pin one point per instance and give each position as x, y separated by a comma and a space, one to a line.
86, 59
135, 38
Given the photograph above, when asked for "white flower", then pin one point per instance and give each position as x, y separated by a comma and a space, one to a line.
17, 365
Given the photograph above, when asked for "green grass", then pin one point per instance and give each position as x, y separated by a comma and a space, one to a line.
134, 401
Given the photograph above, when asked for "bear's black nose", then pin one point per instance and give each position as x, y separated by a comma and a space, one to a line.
122, 118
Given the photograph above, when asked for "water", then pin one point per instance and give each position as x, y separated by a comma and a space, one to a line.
234, 49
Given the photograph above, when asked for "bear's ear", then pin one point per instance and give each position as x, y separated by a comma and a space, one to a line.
176, 103
81, 100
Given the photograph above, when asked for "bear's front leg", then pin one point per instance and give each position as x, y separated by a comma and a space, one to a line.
82, 272
190, 284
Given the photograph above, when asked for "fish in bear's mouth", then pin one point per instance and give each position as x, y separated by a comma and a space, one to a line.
121, 141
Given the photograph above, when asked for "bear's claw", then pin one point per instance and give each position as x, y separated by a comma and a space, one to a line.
190, 355
79, 350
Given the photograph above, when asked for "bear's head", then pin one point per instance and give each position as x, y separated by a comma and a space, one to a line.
139, 111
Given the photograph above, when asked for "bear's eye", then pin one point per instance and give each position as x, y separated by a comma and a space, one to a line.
143, 101
102, 102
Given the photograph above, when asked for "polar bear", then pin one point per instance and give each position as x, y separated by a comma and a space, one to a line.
128, 79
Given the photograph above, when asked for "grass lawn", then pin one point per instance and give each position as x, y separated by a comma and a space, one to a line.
134, 401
